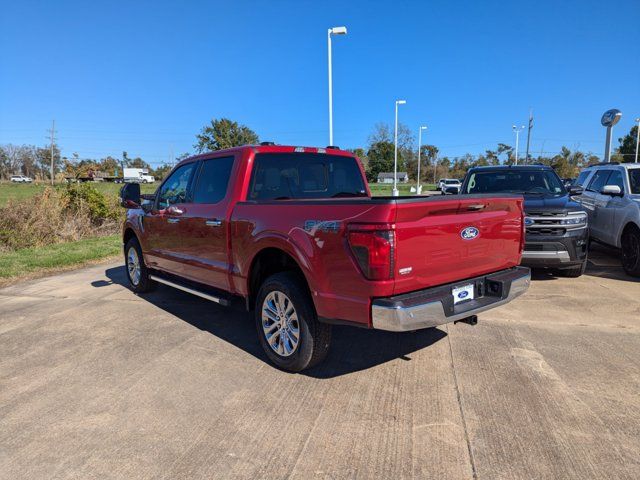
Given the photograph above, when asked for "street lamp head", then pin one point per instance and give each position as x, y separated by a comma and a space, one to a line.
423, 128
339, 30
400, 102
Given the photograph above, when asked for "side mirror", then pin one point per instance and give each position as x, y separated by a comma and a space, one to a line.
575, 190
613, 190
130, 195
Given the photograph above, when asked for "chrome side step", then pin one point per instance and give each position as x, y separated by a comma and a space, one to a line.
219, 300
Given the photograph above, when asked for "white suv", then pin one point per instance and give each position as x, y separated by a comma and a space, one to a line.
450, 186
21, 179
611, 198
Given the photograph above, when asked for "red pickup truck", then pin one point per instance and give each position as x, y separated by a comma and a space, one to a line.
296, 234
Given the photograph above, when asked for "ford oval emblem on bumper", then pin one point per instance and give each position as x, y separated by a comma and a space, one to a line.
469, 233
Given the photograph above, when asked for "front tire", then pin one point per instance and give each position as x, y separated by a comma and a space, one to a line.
574, 272
631, 251
137, 271
287, 324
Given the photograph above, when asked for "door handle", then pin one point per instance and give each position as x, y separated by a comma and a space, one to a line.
213, 223
174, 210
476, 206
173, 220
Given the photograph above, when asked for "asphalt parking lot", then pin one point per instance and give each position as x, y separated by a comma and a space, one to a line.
96, 382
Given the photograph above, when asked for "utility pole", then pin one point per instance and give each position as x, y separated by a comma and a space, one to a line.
418, 186
517, 131
529, 135
637, 138
332, 31
435, 167
394, 192
52, 137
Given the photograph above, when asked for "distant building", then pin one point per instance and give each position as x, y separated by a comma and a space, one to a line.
387, 177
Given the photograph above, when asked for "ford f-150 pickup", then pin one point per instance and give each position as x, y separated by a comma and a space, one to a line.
295, 233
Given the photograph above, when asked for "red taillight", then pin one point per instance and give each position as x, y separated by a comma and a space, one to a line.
373, 247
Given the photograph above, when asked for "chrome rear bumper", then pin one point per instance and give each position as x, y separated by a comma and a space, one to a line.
434, 306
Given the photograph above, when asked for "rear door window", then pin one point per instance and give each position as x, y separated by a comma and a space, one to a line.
213, 180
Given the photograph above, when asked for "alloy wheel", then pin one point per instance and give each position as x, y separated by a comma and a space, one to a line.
133, 266
280, 323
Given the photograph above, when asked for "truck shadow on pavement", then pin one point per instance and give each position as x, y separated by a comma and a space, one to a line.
352, 349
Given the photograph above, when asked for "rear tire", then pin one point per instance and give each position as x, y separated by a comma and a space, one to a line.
631, 251
287, 324
137, 271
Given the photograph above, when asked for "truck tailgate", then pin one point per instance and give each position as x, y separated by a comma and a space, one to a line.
446, 240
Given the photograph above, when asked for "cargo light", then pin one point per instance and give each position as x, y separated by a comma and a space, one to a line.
373, 248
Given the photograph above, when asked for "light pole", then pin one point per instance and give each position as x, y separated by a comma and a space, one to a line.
637, 138
517, 130
332, 31
418, 186
395, 151
609, 119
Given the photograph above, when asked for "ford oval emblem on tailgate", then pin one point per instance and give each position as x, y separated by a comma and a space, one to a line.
469, 233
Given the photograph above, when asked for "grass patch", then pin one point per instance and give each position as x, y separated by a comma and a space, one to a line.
28, 262
384, 189
21, 191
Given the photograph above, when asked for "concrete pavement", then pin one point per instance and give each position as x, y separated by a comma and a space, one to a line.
96, 382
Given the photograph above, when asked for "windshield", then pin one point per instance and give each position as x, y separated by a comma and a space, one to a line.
452, 182
634, 180
543, 182
284, 176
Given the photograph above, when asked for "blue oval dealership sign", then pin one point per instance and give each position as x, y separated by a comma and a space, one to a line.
469, 233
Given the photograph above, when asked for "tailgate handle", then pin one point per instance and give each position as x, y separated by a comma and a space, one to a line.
476, 206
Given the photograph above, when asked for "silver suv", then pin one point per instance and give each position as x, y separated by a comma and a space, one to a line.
611, 198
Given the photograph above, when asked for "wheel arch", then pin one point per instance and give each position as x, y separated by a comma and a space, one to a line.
269, 261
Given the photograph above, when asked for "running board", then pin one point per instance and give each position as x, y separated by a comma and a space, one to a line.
219, 300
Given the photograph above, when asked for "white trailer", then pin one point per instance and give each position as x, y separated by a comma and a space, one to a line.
138, 175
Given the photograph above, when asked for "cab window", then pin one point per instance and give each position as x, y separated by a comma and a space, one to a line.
598, 181
175, 189
616, 179
213, 180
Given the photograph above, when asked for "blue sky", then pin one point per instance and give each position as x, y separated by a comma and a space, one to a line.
146, 76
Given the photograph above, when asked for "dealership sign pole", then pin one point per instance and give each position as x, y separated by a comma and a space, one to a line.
609, 119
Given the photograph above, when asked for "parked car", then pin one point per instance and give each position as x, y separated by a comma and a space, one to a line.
295, 234
21, 179
556, 225
611, 198
450, 186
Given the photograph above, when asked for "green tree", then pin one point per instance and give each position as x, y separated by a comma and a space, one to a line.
362, 156
380, 157
507, 150
627, 148
224, 133
162, 171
